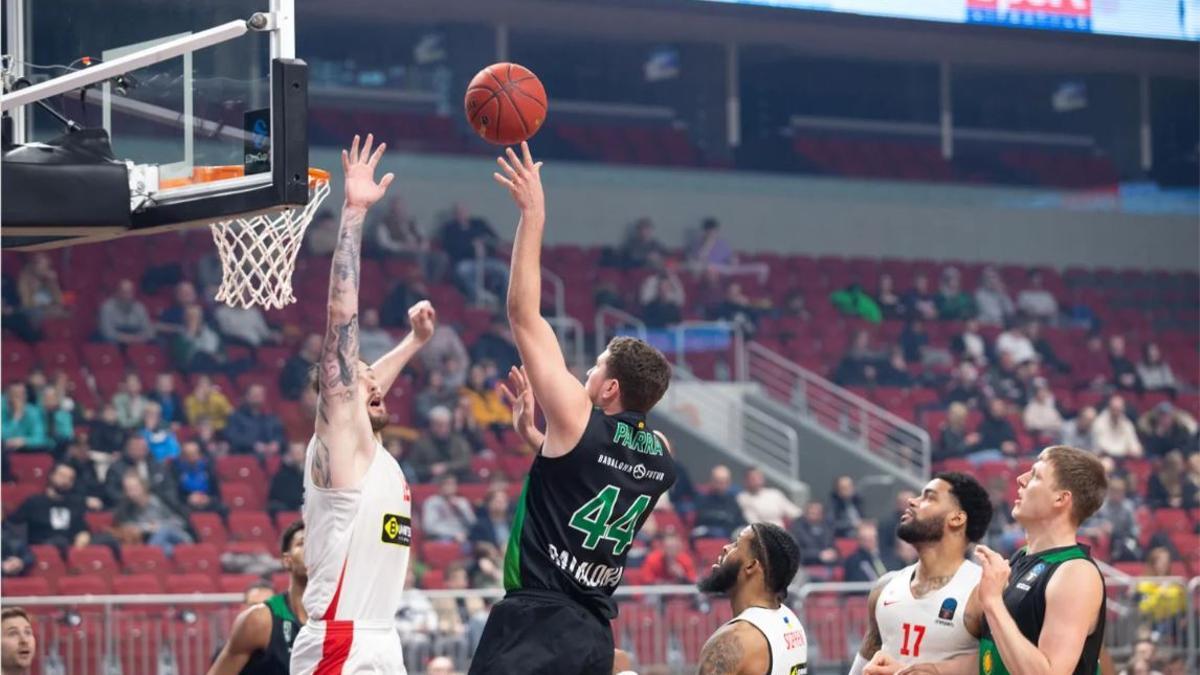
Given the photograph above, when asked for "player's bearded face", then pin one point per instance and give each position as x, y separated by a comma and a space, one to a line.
723, 576
917, 531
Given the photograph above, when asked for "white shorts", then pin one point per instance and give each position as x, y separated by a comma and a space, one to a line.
347, 648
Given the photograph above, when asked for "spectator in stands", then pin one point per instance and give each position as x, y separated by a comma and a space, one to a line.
640, 248
16, 560
54, 517
298, 419
497, 346
920, 301
847, 507
87, 482
762, 503
15, 318
1037, 302
964, 385
164, 446
992, 299
1170, 487
953, 303
41, 296
252, 428
196, 348
447, 515
105, 430
914, 340
244, 326
297, 370
196, 476
460, 619
866, 563
1153, 372
213, 444
970, 344
1124, 373
661, 298
814, 534
997, 438
1044, 350
1041, 414
206, 402
739, 308
1077, 433
373, 341
24, 424
1162, 603
894, 371
858, 366
130, 402
1165, 428
717, 511
167, 398
443, 352
416, 621
1117, 520
157, 521
123, 318
709, 250
408, 291
955, 439
321, 237
794, 307
397, 236
484, 404
889, 302
1113, 433
442, 451
171, 319
1092, 367
436, 394
60, 423
1015, 343
490, 532
669, 563
853, 301
287, 485
470, 245
136, 457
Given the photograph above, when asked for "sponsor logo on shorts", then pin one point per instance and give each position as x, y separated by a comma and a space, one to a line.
638, 471
397, 530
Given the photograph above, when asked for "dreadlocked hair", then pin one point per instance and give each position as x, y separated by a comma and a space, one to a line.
779, 555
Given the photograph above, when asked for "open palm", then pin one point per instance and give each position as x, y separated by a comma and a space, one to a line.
359, 166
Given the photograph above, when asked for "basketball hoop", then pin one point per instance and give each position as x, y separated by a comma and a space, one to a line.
258, 252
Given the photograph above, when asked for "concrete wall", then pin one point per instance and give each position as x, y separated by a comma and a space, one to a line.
591, 204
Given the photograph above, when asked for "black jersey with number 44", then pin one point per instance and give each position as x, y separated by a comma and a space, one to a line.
578, 514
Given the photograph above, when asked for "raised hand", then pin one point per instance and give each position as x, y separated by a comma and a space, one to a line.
995, 576
520, 399
523, 179
422, 317
882, 664
359, 166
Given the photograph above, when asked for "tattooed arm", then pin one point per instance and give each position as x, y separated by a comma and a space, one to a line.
343, 429
735, 649
872, 641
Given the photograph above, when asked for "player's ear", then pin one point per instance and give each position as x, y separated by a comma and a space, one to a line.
958, 519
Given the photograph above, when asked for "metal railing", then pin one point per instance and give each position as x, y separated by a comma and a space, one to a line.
837, 413
663, 627
603, 326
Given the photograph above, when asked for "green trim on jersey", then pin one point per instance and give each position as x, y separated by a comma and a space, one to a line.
1073, 553
512, 557
279, 607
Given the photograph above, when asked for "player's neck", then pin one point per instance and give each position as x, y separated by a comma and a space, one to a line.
941, 559
745, 598
1045, 535
295, 594
613, 408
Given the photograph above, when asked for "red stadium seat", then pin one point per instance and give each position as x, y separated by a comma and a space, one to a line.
243, 497
209, 528
252, 526
708, 550
21, 586
84, 584
12, 496
197, 559
433, 579
190, 583
241, 469
236, 583
92, 560
143, 559
98, 521
285, 518
439, 554
1172, 520
48, 562
137, 584
31, 468
846, 547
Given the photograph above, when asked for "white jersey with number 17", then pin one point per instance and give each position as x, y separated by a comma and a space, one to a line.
930, 628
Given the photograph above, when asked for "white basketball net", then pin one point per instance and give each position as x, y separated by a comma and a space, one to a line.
258, 253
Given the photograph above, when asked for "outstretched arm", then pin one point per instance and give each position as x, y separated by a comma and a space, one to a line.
342, 427
422, 319
564, 400
251, 633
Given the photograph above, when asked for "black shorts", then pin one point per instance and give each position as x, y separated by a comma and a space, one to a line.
533, 632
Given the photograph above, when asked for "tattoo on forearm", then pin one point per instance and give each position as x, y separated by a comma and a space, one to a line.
721, 656
321, 466
339, 354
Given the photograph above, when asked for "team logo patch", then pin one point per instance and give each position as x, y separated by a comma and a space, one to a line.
949, 607
988, 663
1033, 573
397, 530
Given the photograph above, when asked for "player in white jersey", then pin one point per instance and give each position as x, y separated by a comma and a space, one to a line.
357, 505
921, 614
764, 635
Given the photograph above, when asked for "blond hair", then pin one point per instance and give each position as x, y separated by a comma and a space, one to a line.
1082, 474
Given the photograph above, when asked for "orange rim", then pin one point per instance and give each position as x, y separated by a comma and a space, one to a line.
209, 174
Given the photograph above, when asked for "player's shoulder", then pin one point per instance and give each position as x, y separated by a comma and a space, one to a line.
737, 647
252, 628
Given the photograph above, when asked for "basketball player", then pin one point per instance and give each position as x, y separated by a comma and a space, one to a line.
261, 640
357, 504
17, 642
764, 635
598, 474
921, 613
1043, 610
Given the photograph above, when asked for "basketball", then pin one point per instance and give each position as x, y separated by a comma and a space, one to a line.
505, 103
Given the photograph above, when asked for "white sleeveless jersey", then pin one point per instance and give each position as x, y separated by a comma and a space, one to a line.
785, 636
921, 630
358, 543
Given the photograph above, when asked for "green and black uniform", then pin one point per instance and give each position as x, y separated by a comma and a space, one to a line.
1025, 599
573, 526
277, 657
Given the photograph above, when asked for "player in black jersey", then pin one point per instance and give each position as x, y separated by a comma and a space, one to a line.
595, 481
261, 640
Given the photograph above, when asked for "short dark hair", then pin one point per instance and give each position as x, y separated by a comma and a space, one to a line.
779, 555
1080, 473
13, 613
289, 533
641, 370
973, 499
258, 584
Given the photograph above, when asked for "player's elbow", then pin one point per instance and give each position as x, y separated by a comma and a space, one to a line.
522, 312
